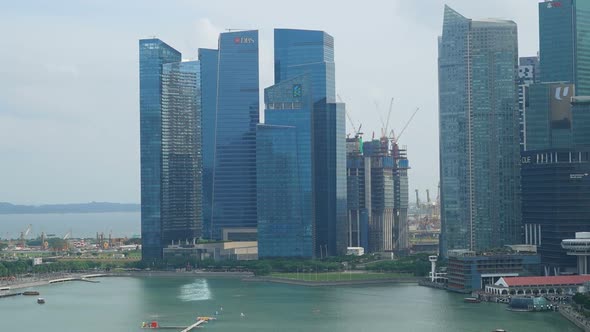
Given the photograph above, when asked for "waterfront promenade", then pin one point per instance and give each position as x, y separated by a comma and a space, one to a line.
575, 317
45, 279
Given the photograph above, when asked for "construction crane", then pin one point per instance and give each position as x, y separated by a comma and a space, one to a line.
386, 124
44, 243
392, 136
65, 238
357, 132
23, 234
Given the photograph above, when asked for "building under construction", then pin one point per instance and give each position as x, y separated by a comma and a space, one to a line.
377, 182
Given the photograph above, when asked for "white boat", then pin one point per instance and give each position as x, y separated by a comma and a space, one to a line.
41, 300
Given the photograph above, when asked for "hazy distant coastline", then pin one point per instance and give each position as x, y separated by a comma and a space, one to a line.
92, 207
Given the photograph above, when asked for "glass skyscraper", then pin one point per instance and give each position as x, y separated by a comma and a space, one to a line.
153, 54
209, 60
528, 73
479, 139
298, 52
234, 162
181, 210
564, 43
284, 166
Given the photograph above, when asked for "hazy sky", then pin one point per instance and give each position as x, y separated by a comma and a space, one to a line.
69, 100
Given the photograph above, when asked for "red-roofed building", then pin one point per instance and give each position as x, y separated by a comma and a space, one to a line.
550, 285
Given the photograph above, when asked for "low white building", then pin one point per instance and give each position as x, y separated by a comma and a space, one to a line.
356, 251
550, 285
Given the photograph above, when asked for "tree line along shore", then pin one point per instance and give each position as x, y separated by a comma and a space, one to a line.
369, 265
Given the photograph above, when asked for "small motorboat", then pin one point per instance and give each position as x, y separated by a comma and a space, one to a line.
30, 293
471, 300
41, 300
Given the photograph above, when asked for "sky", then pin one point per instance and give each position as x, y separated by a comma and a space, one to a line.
69, 87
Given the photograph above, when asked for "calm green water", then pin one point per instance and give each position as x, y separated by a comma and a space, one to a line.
121, 304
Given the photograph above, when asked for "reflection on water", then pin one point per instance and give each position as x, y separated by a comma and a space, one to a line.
195, 291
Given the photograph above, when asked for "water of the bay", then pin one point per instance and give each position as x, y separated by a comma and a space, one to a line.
81, 225
121, 304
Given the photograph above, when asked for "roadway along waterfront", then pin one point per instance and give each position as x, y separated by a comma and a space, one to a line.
123, 303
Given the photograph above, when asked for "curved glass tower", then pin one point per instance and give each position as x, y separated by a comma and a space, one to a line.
479, 138
153, 54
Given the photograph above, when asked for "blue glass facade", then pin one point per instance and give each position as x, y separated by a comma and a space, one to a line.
284, 168
330, 179
555, 202
306, 51
234, 175
310, 52
479, 139
153, 53
181, 211
209, 60
564, 43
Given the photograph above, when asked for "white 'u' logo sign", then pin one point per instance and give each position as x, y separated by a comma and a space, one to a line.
558, 93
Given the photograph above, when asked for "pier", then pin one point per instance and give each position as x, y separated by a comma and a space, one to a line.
155, 326
83, 278
195, 325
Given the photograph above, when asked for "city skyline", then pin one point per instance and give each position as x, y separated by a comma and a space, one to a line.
101, 66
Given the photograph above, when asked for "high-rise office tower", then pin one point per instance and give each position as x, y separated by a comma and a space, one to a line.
381, 203
556, 159
564, 41
300, 52
528, 73
358, 184
284, 166
234, 164
209, 60
401, 196
479, 141
555, 168
153, 54
181, 210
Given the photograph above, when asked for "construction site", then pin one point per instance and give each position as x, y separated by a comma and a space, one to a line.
377, 184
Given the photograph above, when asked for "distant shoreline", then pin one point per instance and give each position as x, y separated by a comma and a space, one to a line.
65, 212
92, 207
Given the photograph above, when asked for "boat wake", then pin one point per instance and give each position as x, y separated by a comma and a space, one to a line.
196, 291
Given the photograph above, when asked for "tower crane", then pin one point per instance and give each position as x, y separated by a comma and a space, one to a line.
357, 132
392, 136
23, 234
